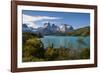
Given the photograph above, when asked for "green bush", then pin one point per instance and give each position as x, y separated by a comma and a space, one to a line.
37, 59
85, 53
33, 47
49, 53
27, 59
31, 58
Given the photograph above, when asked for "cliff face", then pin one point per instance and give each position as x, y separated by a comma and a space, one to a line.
48, 29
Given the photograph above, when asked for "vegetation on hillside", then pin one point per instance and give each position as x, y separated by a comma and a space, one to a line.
80, 32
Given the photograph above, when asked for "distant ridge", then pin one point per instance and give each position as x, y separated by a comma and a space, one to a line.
85, 31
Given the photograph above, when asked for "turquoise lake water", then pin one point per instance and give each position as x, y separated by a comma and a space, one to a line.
73, 42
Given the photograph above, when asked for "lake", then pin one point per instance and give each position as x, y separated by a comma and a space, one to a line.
73, 42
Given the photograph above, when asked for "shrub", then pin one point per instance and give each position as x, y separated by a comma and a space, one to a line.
85, 53
33, 47
49, 54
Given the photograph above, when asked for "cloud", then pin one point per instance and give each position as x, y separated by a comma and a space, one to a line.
29, 20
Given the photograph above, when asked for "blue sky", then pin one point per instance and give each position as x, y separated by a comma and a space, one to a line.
38, 18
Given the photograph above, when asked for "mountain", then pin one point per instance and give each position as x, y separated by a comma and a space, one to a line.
52, 29
85, 31
25, 28
55, 28
66, 28
48, 29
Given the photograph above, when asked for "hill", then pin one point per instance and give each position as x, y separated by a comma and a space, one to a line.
85, 31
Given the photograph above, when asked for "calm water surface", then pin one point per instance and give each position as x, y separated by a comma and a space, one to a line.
66, 41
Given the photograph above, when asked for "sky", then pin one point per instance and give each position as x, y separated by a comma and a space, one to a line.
37, 19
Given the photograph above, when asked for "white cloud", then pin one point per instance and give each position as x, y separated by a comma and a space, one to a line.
27, 19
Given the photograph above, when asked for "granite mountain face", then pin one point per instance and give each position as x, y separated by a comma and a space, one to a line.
48, 29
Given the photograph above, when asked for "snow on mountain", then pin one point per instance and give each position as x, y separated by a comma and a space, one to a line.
48, 29
65, 28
